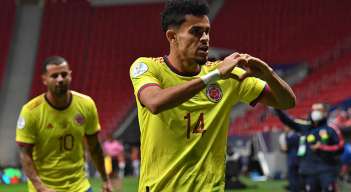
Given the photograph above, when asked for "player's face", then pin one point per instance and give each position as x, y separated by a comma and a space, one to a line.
193, 38
57, 79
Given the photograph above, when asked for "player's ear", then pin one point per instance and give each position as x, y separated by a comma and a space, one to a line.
70, 75
43, 78
171, 36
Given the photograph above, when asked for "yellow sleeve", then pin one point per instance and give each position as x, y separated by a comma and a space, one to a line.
93, 125
250, 88
25, 129
143, 72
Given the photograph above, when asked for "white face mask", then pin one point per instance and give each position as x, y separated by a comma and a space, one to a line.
316, 116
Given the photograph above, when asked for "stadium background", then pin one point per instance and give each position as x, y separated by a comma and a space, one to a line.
307, 42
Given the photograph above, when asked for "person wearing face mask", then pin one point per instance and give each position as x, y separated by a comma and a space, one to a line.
319, 148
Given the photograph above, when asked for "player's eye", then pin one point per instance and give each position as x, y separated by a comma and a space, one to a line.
196, 31
199, 31
64, 74
55, 75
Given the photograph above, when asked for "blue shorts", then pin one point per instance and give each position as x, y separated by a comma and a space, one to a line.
90, 190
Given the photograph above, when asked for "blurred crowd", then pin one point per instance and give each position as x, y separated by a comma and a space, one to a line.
341, 117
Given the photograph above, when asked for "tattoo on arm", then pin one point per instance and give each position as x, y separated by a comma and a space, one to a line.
29, 167
96, 154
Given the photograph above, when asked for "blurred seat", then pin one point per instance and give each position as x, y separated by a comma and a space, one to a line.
7, 21
282, 31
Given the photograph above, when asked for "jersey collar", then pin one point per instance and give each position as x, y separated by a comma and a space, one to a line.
186, 74
60, 108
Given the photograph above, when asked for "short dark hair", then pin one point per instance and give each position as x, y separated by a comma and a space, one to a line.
175, 10
325, 106
53, 60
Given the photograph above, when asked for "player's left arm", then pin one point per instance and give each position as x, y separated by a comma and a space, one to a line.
96, 154
279, 95
94, 146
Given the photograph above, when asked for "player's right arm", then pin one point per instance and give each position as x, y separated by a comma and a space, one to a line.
29, 168
158, 99
26, 138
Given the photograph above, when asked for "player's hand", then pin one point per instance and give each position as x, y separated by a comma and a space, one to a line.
228, 64
107, 186
255, 67
315, 146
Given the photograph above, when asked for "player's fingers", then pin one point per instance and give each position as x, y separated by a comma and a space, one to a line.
245, 56
241, 62
234, 55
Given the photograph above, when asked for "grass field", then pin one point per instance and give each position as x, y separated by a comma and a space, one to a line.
130, 185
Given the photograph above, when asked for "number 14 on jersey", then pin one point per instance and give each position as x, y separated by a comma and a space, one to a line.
199, 126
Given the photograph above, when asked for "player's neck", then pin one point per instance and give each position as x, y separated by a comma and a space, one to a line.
59, 102
183, 65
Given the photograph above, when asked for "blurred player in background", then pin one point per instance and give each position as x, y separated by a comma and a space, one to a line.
184, 102
289, 143
50, 132
319, 148
114, 154
135, 157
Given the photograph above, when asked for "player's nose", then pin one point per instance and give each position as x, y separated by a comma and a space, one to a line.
59, 78
205, 37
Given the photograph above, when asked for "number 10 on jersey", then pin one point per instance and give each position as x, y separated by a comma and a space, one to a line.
199, 126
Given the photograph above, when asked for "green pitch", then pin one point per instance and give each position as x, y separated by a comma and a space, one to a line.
130, 185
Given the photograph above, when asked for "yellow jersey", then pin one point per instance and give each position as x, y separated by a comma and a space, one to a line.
183, 148
57, 137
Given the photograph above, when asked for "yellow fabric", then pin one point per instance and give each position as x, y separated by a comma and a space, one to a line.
57, 136
108, 164
178, 157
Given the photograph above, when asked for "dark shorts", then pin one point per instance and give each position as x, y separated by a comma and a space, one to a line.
90, 190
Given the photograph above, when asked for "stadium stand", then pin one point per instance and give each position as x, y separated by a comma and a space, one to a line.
7, 20
281, 31
100, 44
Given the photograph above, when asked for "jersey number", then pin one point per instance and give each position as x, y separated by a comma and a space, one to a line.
66, 142
199, 126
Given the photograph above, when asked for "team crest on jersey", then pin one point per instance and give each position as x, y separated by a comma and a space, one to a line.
21, 122
139, 69
214, 93
79, 119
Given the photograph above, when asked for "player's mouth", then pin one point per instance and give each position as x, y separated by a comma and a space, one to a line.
203, 50
61, 87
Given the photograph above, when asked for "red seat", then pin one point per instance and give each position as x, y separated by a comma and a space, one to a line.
7, 20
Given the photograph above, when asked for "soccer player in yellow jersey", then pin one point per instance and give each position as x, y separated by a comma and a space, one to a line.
184, 103
50, 133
